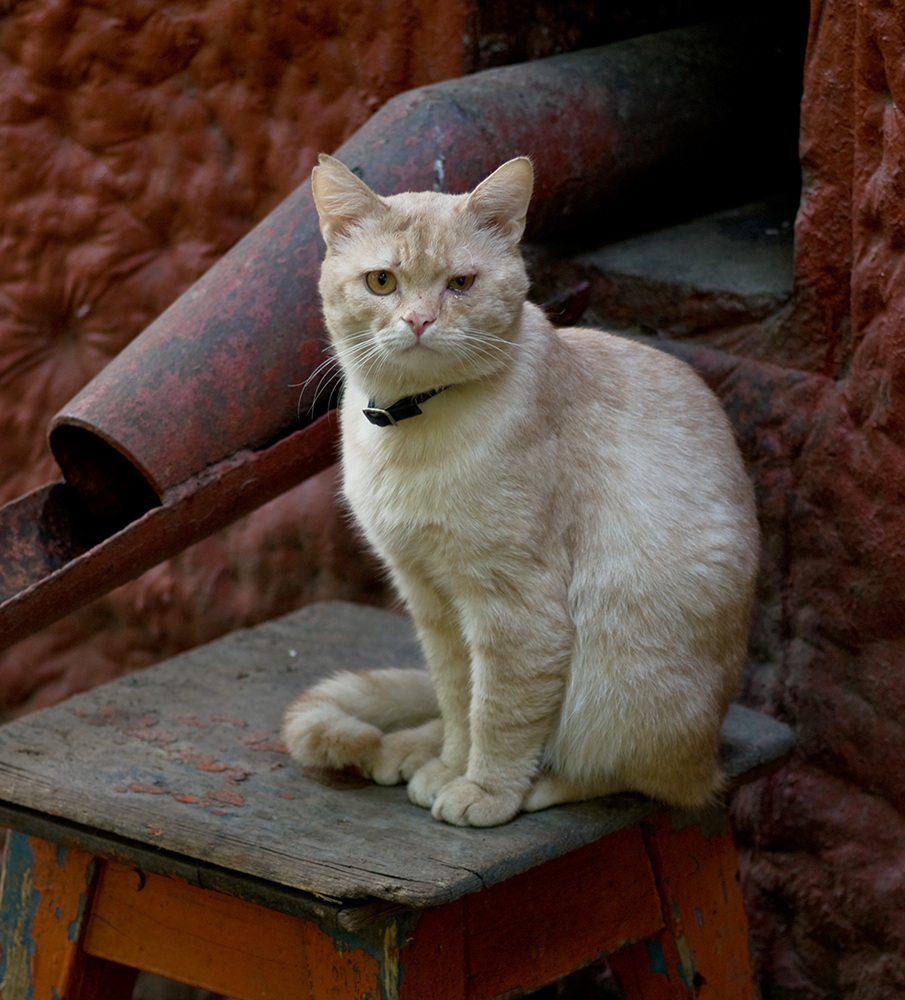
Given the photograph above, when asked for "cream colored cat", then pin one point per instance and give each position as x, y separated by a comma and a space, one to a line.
564, 512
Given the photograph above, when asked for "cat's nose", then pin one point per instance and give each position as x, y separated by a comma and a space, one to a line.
419, 322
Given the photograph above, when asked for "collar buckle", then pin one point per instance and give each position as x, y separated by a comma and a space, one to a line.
402, 409
379, 417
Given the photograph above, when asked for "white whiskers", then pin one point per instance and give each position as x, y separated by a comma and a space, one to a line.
457, 354
327, 374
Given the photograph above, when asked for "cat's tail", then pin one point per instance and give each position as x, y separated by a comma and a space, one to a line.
341, 722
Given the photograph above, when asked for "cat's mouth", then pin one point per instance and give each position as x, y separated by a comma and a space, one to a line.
430, 335
413, 345
419, 345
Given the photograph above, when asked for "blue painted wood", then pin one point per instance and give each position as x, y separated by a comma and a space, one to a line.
19, 902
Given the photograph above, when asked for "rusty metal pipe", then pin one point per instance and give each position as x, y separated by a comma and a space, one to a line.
220, 369
220, 382
59, 556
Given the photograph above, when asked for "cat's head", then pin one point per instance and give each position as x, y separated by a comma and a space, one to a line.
422, 289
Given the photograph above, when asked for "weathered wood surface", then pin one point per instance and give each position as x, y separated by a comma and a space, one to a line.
186, 758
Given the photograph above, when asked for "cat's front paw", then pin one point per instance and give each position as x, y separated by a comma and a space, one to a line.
465, 803
404, 752
428, 781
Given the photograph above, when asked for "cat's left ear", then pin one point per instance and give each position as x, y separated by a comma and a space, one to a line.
501, 200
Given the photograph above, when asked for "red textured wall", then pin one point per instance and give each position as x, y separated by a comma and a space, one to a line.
825, 430
138, 141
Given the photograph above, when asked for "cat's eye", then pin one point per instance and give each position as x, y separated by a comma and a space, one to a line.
381, 282
462, 283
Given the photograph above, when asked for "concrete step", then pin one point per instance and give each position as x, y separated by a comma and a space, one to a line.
713, 273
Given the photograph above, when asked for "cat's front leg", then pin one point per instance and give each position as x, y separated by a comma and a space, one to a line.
518, 678
447, 659
449, 668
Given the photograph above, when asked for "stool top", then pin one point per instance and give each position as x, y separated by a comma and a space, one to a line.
184, 760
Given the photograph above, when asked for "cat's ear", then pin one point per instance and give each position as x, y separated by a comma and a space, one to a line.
501, 200
341, 198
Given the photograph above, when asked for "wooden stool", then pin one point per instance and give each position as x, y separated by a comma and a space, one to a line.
161, 826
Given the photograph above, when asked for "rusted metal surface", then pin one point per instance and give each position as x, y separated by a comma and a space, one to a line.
58, 555
642, 129
160, 448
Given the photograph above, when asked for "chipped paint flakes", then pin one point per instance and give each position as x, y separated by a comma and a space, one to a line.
265, 741
208, 762
655, 957
146, 789
233, 720
191, 720
226, 795
139, 725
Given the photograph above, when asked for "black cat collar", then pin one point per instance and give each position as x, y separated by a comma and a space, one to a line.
402, 409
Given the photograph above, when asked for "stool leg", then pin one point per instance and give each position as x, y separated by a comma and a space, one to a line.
703, 951
45, 896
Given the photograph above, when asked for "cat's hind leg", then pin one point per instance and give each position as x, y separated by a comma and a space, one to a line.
404, 752
554, 789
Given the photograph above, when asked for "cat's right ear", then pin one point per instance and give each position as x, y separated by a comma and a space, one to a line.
501, 200
341, 198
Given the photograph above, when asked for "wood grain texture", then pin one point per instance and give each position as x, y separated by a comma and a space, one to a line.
551, 920
702, 952
186, 758
519, 934
209, 939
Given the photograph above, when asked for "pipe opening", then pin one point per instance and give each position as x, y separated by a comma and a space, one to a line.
112, 488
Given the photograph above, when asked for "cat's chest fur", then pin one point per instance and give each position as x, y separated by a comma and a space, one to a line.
441, 488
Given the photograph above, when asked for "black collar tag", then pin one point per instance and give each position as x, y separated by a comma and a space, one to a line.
402, 409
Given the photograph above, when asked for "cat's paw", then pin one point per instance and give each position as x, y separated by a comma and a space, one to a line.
465, 803
428, 781
402, 753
